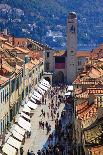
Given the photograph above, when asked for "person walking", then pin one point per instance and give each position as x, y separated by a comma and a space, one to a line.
48, 115
21, 151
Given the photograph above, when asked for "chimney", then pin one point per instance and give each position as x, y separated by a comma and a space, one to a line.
5, 32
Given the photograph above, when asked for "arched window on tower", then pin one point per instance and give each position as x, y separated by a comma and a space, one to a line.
72, 29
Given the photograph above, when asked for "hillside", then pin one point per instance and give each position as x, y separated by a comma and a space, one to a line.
45, 20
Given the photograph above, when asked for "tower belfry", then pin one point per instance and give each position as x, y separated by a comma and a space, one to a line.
71, 46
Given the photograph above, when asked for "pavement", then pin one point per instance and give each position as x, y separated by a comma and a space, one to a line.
39, 137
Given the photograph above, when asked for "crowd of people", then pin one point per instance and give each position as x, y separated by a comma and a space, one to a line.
62, 135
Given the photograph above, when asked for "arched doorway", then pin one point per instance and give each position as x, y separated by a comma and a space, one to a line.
60, 77
47, 78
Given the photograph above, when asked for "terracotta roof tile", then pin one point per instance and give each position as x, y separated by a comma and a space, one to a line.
3, 79
83, 54
2, 38
7, 46
25, 51
96, 150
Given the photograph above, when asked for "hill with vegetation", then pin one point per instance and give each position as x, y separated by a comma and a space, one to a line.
45, 20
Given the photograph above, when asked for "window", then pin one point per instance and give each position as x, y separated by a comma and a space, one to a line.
47, 66
5, 95
1, 97
13, 85
47, 54
17, 84
22, 72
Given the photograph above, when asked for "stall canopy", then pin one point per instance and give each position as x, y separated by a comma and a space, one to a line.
43, 87
26, 108
45, 81
13, 142
41, 90
33, 100
36, 98
24, 124
37, 94
17, 135
19, 130
25, 115
70, 88
46, 85
32, 105
9, 150
68, 93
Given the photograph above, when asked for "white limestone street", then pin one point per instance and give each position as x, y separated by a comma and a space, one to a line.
39, 137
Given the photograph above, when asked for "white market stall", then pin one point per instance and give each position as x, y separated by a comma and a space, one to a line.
25, 115
19, 129
24, 124
17, 135
41, 90
13, 142
8, 149
32, 105
26, 109
43, 87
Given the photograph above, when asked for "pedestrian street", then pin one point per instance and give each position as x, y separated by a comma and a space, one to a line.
38, 136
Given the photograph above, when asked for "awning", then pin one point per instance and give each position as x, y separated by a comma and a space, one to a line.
70, 88
33, 100
35, 93
24, 124
8, 149
13, 142
43, 87
17, 135
32, 105
68, 93
19, 130
26, 108
46, 85
25, 115
45, 81
36, 98
41, 90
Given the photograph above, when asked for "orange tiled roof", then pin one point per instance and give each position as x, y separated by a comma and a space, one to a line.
29, 66
7, 46
83, 95
3, 79
2, 38
83, 54
95, 73
97, 150
88, 112
19, 41
36, 54
25, 51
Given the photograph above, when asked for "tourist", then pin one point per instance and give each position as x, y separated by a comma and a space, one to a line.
44, 114
39, 152
48, 115
21, 151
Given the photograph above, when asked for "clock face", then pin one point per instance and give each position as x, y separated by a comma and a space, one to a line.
72, 29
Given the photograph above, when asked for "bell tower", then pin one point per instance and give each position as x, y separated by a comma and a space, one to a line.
71, 47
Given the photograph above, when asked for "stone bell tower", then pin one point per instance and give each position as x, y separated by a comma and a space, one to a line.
71, 47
